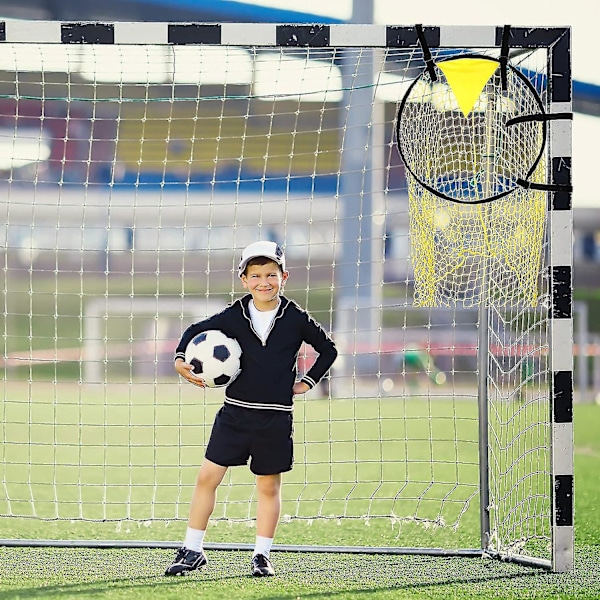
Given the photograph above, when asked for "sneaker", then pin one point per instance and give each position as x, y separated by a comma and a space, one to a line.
261, 566
186, 561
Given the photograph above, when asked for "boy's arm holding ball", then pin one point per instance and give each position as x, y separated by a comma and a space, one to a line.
187, 372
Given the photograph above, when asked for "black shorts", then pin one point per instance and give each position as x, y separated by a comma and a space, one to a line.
264, 436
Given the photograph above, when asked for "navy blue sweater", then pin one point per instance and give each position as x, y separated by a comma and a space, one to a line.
268, 368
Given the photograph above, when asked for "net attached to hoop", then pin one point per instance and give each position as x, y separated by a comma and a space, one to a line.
472, 145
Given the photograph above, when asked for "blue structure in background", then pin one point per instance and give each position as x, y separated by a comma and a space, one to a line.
227, 10
229, 182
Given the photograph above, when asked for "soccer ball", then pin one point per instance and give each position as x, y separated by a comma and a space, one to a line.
215, 357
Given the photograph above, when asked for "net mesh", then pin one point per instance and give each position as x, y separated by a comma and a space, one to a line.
127, 225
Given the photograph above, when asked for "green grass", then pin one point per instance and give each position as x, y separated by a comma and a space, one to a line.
121, 452
137, 573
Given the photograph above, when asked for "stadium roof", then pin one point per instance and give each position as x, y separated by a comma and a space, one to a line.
586, 86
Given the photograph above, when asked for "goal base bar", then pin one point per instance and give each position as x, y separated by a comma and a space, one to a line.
235, 546
153, 544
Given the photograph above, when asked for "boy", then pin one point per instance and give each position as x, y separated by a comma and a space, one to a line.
255, 421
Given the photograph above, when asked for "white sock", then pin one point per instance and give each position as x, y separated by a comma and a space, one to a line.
262, 546
194, 539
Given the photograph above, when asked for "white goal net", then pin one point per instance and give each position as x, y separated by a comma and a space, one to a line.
134, 172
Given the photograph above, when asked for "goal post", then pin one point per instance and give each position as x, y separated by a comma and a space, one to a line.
139, 159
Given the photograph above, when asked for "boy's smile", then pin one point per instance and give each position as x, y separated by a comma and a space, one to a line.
264, 282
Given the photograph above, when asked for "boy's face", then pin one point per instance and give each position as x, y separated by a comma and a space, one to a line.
264, 282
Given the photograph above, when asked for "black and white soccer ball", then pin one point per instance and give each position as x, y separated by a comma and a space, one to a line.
215, 358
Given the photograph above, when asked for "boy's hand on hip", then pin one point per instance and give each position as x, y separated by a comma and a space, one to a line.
300, 388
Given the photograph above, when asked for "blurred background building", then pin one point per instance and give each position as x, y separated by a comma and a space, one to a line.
61, 155
586, 100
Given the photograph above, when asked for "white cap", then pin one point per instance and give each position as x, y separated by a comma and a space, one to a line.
269, 250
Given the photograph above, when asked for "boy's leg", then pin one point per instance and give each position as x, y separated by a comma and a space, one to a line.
191, 556
205, 494
268, 489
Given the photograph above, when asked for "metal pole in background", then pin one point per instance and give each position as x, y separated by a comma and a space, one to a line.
483, 348
359, 268
483, 417
580, 310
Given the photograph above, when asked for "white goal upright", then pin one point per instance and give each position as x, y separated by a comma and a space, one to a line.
426, 222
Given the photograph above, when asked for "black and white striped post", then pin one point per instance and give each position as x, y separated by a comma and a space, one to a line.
561, 317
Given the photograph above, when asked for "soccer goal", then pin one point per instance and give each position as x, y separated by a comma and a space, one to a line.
419, 181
